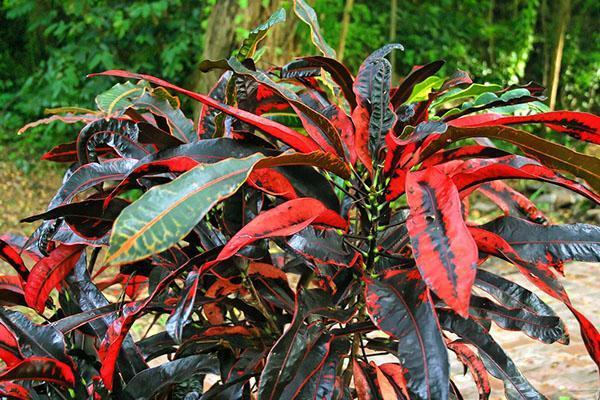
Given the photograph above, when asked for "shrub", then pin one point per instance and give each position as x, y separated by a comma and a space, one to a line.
312, 222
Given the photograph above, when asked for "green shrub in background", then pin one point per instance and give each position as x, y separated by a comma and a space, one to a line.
48, 46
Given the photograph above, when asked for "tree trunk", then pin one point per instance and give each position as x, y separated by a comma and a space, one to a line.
563, 15
344, 31
219, 41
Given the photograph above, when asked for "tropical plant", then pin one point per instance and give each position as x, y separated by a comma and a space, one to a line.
312, 222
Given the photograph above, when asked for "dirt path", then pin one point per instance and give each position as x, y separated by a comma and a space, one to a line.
558, 371
24, 194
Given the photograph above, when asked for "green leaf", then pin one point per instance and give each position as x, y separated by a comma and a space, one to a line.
421, 90
308, 15
248, 48
474, 90
119, 96
166, 213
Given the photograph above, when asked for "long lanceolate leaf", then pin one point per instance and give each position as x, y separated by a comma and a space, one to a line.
40, 369
151, 382
471, 361
338, 71
47, 273
399, 304
550, 154
308, 15
580, 125
317, 126
444, 250
281, 132
495, 359
418, 75
165, 214
284, 220
549, 244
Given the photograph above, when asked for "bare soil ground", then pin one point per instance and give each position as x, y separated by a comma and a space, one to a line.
560, 372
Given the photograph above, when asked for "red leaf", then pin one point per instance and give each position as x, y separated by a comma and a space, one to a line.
284, 220
11, 256
396, 375
512, 202
360, 117
272, 182
445, 252
47, 273
266, 271
363, 387
40, 369
386, 388
9, 347
287, 135
14, 391
471, 361
580, 125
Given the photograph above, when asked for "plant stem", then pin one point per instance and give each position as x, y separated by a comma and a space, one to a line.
248, 283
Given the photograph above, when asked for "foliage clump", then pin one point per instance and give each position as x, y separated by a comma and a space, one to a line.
312, 221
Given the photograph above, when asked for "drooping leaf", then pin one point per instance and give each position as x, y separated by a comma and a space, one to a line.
511, 202
316, 125
89, 218
249, 45
550, 154
13, 391
444, 250
476, 367
308, 16
168, 374
548, 244
547, 329
68, 119
364, 381
47, 273
496, 361
281, 132
514, 296
40, 369
90, 175
284, 220
399, 304
118, 330
580, 125
321, 384
11, 290
338, 71
181, 127
121, 135
184, 308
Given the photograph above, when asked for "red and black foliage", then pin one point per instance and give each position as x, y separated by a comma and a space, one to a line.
311, 221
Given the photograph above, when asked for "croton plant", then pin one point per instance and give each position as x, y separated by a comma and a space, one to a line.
308, 238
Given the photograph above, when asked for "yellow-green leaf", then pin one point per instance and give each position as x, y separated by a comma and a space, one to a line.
166, 213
